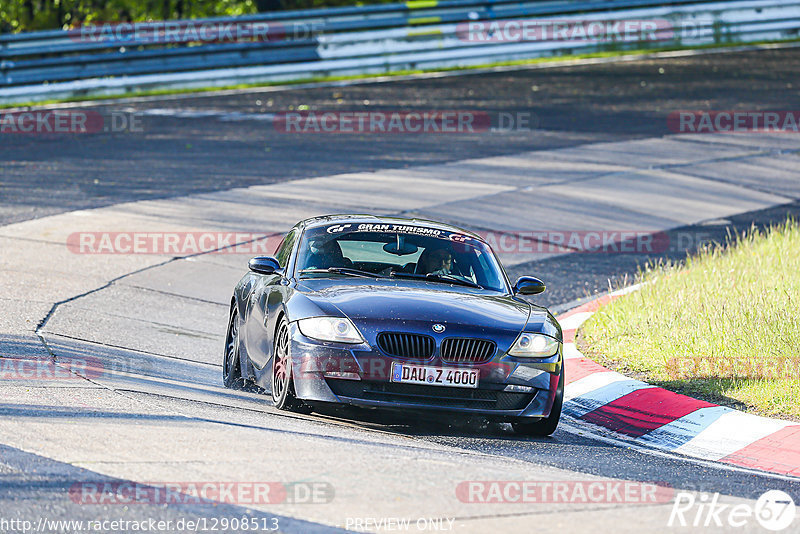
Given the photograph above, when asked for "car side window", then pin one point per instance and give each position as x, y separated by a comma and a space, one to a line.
285, 248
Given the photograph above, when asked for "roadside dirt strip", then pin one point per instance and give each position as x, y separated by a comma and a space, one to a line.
628, 409
151, 325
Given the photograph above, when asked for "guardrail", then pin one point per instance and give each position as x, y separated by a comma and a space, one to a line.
308, 44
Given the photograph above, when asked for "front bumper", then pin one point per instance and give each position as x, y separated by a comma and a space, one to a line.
358, 375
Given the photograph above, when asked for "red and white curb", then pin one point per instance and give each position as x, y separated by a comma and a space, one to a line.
633, 411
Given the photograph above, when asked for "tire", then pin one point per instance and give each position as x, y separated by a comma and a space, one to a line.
544, 427
231, 364
283, 395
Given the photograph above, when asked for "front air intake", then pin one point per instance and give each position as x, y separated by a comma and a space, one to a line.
407, 346
466, 350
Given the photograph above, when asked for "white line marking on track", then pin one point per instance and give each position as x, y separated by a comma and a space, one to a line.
571, 351
730, 433
591, 383
575, 321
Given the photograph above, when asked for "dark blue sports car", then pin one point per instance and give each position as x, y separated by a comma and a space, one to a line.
395, 313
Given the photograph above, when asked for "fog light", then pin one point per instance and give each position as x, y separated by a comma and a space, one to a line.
513, 388
342, 375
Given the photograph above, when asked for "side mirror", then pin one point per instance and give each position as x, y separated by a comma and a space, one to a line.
528, 285
264, 265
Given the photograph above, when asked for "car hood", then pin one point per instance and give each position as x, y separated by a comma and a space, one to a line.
414, 305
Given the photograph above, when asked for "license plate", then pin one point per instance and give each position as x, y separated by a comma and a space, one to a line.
435, 376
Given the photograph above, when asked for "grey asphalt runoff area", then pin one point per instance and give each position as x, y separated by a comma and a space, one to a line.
152, 409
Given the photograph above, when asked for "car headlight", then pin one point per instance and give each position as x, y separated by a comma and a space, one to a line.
534, 346
336, 329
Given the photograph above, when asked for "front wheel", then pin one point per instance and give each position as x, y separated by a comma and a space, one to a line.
231, 365
544, 427
283, 394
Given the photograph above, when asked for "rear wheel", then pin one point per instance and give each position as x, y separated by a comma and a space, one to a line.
548, 425
283, 394
231, 365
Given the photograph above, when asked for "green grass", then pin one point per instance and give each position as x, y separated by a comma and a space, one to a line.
520, 62
724, 325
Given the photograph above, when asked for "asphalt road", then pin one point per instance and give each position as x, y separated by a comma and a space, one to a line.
161, 319
174, 155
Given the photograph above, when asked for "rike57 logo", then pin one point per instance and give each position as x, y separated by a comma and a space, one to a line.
775, 511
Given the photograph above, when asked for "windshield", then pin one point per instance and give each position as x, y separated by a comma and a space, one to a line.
401, 251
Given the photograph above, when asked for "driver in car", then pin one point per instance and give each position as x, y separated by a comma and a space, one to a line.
325, 255
438, 262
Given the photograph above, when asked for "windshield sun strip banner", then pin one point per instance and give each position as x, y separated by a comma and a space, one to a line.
399, 229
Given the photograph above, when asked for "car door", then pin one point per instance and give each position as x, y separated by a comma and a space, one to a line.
265, 298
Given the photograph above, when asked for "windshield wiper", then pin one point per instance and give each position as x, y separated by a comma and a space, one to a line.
437, 278
343, 270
